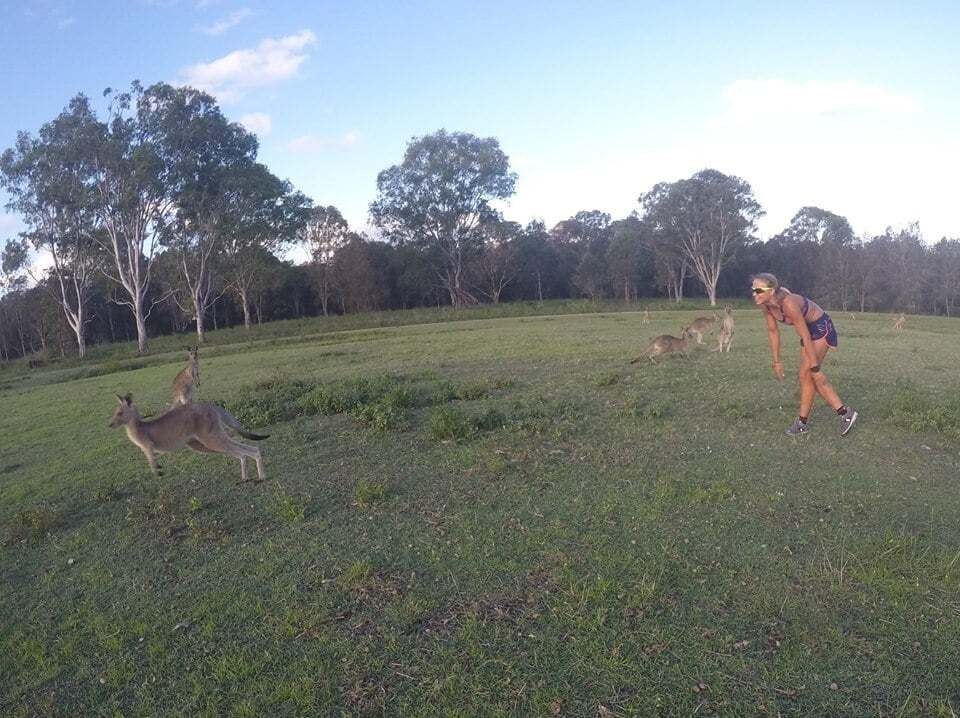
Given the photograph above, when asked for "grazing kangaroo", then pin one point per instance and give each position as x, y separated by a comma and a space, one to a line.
202, 427
725, 336
646, 316
664, 344
699, 326
898, 322
185, 383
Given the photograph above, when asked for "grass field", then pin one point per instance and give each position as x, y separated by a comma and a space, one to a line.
497, 516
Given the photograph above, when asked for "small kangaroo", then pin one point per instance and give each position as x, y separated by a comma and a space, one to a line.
898, 322
202, 427
646, 316
725, 336
664, 344
699, 327
185, 383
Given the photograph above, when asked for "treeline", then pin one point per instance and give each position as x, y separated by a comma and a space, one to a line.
158, 217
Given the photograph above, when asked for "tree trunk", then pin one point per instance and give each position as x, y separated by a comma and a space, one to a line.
200, 330
141, 325
23, 346
539, 288
113, 334
245, 303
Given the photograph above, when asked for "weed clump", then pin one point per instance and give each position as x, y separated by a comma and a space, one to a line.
450, 424
368, 493
32, 523
650, 411
289, 509
911, 408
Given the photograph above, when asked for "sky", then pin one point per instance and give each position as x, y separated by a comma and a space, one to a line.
849, 106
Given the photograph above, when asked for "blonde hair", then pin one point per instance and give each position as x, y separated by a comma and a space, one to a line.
769, 280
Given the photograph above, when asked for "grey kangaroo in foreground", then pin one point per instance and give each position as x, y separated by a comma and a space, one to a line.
186, 382
201, 427
725, 335
664, 344
700, 326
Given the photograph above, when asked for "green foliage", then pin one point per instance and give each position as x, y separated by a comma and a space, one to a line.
32, 523
448, 423
356, 574
651, 410
288, 508
914, 409
368, 493
607, 378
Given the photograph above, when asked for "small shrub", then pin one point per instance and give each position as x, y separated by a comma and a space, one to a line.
472, 392
651, 411
32, 523
606, 379
445, 392
380, 416
368, 493
490, 420
447, 423
107, 493
270, 401
504, 382
735, 410
289, 509
357, 574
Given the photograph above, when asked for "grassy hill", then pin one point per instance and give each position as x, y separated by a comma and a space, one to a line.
491, 516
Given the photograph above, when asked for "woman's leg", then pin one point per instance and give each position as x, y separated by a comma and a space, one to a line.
819, 380
807, 389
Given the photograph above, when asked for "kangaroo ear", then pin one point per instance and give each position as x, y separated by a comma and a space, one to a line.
128, 398
119, 398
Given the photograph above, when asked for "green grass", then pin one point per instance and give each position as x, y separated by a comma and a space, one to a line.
495, 516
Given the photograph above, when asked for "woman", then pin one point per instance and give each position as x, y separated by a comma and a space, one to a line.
817, 334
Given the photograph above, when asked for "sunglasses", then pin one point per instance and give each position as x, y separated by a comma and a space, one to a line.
761, 290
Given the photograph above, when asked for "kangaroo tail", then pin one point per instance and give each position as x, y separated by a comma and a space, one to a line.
255, 437
231, 421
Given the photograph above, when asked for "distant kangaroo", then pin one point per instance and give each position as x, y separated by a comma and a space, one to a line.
700, 326
646, 316
898, 322
664, 344
185, 383
202, 427
725, 336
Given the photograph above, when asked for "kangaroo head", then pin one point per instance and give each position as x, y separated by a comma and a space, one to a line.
125, 411
193, 353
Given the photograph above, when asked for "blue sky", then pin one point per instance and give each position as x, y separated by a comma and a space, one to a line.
851, 106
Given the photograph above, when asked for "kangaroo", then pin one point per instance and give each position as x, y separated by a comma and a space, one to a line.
185, 383
664, 344
202, 427
898, 322
725, 336
699, 326
646, 316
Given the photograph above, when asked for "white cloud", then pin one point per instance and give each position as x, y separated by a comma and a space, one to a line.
314, 143
10, 226
748, 100
270, 62
224, 24
258, 123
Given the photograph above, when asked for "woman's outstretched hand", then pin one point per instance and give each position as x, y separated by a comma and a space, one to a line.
778, 370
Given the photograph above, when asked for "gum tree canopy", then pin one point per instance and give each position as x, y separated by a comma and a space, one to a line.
709, 216
439, 198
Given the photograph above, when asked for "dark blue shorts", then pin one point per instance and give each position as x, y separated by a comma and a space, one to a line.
823, 327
